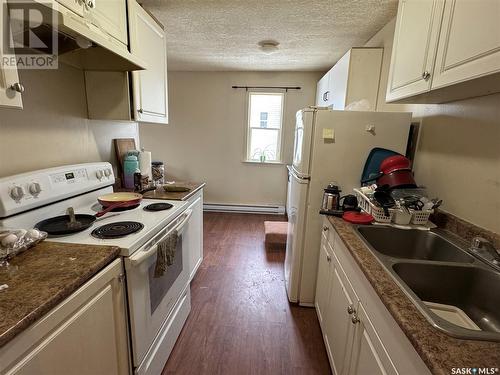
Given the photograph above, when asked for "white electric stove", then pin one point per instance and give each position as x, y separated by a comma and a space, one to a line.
158, 307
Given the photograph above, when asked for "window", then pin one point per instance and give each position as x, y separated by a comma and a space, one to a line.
265, 118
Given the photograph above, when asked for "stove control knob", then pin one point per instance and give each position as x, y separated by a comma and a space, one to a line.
35, 189
107, 172
17, 193
99, 174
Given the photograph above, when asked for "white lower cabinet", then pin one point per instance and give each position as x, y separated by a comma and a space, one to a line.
86, 334
323, 284
358, 331
196, 228
368, 353
339, 329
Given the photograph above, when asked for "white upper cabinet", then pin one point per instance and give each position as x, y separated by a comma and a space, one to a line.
414, 48
111, 96
354, 77
10, 87
76, 6
111, 17
445, 50
469, 43
322, 91
148, 40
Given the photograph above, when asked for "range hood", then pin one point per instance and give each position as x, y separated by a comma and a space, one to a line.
79, 42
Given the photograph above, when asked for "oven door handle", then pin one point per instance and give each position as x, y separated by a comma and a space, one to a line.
145, 254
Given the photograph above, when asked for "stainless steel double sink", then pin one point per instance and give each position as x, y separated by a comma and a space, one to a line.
435, 267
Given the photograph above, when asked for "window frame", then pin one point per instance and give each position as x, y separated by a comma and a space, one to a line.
248, 132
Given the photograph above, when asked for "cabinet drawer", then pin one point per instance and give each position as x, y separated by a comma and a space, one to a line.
328, 232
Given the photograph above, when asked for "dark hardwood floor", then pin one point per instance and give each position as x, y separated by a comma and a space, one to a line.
241, 321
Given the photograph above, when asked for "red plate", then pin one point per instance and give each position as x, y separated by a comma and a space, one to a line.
357, 217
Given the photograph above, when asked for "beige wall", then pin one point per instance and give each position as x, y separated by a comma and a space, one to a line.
205, 138
458, 158
52, 129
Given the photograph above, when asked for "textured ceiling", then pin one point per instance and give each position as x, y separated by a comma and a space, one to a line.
223, 34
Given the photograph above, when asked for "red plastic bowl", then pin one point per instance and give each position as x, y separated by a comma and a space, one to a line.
358, 217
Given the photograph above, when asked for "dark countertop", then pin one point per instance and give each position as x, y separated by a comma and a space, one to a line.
42, 277
439, 351
160, 193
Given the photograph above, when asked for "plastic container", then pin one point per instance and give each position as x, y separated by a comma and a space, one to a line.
401, 217
377, 212
420, 217
130, 165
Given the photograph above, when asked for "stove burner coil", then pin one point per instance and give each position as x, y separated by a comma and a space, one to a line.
117, 230
158, 206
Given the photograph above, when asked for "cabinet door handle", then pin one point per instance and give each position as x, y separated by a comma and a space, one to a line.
326, 95
328, 258
350, 309
17, 87
426, 75
325, 229
354, 319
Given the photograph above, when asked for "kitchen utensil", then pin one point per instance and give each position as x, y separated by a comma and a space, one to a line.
384, 199
128, 199
357, 217
369, 205
437, 203
73, 223
373, 161
60, 225
331, 198
349, 203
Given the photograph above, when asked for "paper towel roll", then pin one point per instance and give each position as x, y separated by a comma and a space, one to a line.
145, 163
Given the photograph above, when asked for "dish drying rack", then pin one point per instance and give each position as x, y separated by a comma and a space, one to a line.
396, 215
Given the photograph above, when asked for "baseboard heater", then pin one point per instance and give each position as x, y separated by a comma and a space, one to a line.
243, 208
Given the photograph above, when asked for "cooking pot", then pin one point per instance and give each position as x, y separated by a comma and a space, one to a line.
402, 178
394, 172
394, 163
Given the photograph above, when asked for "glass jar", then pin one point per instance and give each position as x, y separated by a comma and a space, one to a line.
158, 172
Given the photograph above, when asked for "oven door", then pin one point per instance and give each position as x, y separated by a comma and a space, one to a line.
151, 299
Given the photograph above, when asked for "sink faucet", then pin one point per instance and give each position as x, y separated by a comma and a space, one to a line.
485, 249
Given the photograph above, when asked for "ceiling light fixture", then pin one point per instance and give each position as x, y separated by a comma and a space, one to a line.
268, 46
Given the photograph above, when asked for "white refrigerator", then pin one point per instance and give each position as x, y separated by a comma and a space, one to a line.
329, 146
